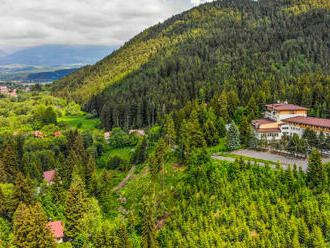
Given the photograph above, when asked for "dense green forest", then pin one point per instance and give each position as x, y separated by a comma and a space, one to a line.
159, 190
263, 50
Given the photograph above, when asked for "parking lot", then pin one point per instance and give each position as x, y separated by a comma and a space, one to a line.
284, 160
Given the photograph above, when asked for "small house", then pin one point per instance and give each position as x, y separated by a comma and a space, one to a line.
56, 228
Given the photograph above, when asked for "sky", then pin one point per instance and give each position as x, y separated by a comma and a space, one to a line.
25, 23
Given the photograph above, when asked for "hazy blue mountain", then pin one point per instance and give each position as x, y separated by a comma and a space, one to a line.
2, 54
57, 55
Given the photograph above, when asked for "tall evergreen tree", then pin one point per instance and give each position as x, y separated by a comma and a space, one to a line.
221, 127
233, 141
30, 228
10, 160
169, 130
75, 208
148, 227
210, 133
123, 237
244, 130
316, 171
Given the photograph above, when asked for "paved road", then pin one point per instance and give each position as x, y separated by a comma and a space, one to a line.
285, 161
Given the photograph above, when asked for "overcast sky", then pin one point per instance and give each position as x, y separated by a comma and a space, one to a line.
93, 22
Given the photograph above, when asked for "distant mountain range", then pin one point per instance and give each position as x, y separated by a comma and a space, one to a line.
48, 62
57, 55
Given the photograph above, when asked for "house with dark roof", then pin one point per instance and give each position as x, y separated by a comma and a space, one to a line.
287, 119
56, 227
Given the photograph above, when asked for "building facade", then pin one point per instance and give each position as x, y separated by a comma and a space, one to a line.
287, 119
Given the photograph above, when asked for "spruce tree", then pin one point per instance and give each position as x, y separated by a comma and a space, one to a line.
221, 127
160, 152
210, 133
155, 167
75, 208
106, 237
57, 190
90, 170
253, 140
233, 141
223, 104
3, 173
169, 131
10, 160
148, 227
139, 156
245, 130
316, 171
124, 241
30, 228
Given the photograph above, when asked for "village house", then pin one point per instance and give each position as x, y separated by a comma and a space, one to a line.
287, 119
56, 228
49, 176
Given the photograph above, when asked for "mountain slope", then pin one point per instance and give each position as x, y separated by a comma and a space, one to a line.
55, 55
263, 50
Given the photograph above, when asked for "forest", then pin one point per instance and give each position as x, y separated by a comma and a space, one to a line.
129, 141
265, 51
161, 189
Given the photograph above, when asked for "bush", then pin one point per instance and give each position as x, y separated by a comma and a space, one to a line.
118, 138
116, 162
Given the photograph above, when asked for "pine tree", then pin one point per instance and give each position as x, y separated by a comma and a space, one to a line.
253, 140
160, 152
155, 167
221, 127
233, 102
245, 130
233, 141
210, 134
75, 208
57, 190
140, 154
10, 160
316, 238
22, 193
90, 170
223, 104
30, 228
3, 173
169, 131
316, 171
123, 237
106, 237
148, 227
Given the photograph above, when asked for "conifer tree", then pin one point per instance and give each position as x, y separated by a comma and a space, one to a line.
106, 237
75, 208
233, 102
57, 190
316, 238
148, 227
140, 154
169, 131
253, 140
155, 167
3, 173
30, 228
210, 134
245, 130
160, 152
90, 170
123, 237
223, 104
233, 141
22, 193
10, 160
221, 127
3, 204
316, 171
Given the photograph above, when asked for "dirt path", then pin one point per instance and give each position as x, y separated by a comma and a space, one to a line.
127, 178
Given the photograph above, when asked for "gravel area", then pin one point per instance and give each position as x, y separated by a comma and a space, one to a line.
285, 161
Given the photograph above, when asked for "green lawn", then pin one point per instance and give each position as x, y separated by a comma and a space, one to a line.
74, 121
229, 155
221, 147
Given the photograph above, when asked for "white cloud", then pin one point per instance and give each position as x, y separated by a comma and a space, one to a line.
103, 22
198, 2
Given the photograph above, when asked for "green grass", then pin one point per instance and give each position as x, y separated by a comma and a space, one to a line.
124, 152
229, 155
221, 147
74, 121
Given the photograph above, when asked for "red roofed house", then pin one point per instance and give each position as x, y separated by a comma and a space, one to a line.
56, 228
49, 176
289, 119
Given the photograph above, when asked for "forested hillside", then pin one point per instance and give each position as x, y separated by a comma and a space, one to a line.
262, 50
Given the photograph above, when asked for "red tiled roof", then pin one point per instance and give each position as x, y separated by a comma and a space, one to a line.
57, 228
263, 121
309, 121
268, 130
285, 106
49, 175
